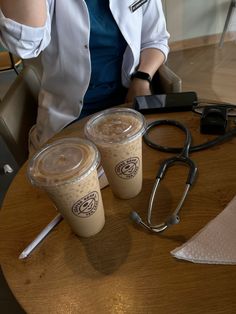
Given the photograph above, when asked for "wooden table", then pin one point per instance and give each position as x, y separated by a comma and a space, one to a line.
123, 269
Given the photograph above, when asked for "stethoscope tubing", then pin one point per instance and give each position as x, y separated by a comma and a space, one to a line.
220, 139
183, 157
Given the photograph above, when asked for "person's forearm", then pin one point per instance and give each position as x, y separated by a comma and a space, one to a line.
150, 60
27, 12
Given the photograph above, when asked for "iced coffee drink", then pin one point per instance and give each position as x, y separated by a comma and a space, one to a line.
117, 133
67, 171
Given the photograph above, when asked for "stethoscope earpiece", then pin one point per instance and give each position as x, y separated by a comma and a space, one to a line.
136, 218
173, 220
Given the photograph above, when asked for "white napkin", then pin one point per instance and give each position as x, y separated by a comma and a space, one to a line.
215, 243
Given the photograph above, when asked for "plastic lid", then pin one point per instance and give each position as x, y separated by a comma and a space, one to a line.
115, 125
63, 161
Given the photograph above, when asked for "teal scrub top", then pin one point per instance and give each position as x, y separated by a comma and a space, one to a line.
107, 46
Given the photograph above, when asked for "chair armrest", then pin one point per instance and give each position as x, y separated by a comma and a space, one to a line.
166, 81
18, 110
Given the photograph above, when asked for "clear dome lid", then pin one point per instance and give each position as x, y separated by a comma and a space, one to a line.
115, 125
63, 161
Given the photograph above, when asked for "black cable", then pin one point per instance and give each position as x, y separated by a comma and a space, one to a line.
222, 138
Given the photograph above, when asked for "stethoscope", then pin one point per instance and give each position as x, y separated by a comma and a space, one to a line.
182, 157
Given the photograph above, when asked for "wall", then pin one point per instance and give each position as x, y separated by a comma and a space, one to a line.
188, 19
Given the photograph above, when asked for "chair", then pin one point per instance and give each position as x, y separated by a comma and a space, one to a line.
9, 62
231, 6
166, 81
18, 110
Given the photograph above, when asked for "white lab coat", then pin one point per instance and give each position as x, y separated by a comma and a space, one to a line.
64, 42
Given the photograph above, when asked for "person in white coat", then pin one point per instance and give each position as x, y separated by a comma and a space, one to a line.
94, 53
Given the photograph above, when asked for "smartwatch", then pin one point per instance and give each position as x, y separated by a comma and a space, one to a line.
141, 75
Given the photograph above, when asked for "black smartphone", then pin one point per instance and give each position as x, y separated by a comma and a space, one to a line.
171, 102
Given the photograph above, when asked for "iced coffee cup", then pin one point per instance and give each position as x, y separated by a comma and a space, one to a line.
67, 171
117, 132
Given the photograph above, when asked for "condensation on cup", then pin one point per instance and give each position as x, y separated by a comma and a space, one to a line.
67, 170
117, 132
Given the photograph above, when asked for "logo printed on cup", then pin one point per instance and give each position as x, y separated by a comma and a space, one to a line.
86, 206
127, 169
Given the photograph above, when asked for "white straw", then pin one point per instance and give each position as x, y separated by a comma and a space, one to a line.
40, 236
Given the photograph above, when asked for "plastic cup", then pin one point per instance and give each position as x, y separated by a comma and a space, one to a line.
67, 171
117, 132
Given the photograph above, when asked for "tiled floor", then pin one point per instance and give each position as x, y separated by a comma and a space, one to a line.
8, 304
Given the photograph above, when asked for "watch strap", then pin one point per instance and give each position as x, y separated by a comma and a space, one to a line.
141, 75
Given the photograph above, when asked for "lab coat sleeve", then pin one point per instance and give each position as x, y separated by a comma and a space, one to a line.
154, 32
22, 40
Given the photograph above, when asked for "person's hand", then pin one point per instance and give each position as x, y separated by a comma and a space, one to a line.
137, 87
